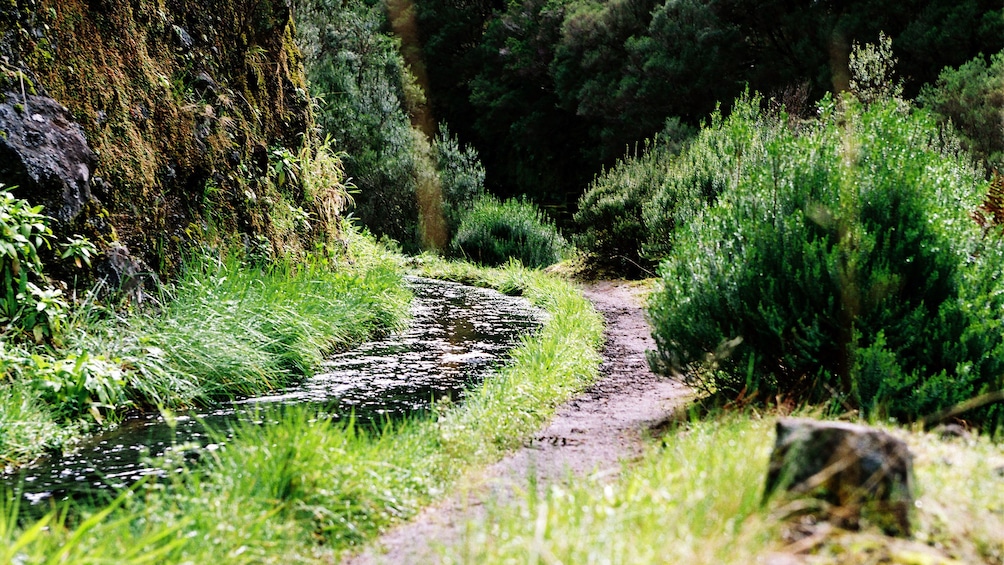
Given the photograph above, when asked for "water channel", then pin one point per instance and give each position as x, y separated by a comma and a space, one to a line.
456, 336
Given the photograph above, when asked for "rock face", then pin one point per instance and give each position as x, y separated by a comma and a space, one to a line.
44, 152
857, 471
181, 103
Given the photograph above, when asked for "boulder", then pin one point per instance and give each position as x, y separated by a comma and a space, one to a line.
44, 152
859, 472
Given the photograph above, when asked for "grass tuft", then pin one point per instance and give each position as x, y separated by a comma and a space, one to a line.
296, 487
696, 498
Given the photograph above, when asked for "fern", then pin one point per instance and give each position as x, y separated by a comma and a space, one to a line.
990, 213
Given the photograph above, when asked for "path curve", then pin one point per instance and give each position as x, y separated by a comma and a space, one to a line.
591, 434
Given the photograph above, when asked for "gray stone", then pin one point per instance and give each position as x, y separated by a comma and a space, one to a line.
859, 472
124, 274
44, 152
183, 39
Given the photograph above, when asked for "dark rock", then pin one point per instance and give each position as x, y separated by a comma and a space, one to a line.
183, 39
125, 275
204, 84
44, 152
858, 471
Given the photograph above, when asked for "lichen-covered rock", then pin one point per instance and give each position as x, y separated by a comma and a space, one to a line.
44, 152
858, 471
183, 103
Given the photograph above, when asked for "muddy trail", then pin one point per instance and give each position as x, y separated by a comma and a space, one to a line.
594, 434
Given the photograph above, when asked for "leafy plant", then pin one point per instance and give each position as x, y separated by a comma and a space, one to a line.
25, 306
283, 166
842, 267
972, 98
493, 232
79, 249
81, 384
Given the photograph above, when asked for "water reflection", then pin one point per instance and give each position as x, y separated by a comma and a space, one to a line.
457, 335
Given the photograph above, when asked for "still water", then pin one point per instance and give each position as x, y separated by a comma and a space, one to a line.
456, 336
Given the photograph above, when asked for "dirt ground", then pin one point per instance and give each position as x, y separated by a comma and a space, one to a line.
593, 433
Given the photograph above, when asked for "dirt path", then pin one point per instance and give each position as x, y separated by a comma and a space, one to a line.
593, 433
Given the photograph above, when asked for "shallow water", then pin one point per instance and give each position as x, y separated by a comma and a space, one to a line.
456, 336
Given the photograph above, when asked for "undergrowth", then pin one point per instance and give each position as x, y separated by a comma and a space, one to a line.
492, 232
296, 487
228, 327
696, 498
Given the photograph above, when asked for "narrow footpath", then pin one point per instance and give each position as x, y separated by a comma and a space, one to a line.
593, 434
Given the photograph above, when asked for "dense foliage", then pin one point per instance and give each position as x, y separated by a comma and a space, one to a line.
354, 68
972, 97
839, 264
549, 91
609, 222
494, 232
231, 326
367, 97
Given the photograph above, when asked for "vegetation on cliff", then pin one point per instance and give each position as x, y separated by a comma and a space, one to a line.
199, 119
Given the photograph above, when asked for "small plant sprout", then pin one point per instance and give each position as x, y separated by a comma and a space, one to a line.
79, 249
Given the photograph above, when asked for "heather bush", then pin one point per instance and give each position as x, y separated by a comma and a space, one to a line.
839, 265
461, 175
972, 97
609, 216
493, 232
712, 163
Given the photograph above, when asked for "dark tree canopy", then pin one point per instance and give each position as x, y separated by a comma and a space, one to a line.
551, 90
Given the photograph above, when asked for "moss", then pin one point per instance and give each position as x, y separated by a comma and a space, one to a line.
173, 97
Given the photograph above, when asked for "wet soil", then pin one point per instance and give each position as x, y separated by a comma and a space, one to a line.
595, 433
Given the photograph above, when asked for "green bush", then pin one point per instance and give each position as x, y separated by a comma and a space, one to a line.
461, 175
841, 267
493, 232
609, 216
972, 97
29, 305
354, 67
712, 163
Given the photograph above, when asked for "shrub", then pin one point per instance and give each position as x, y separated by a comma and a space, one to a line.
609, 214
461, 175
81, 384
493, 232
27, 304
712, 163
841, 267
972, 97
355, 68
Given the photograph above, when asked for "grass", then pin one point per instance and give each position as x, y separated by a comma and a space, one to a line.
27, 427
298, 488
696, 498
226, 328
692, 499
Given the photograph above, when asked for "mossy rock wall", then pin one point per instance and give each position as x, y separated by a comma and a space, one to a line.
184, 102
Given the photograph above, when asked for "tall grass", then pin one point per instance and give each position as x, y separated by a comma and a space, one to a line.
693, 499
297, 487
226, 328
230, 328
696, 498
27, 426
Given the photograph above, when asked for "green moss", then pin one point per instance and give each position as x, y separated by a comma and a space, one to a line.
165, 119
